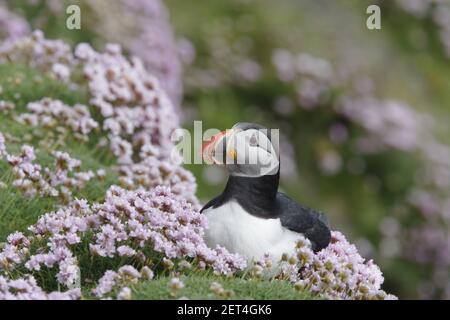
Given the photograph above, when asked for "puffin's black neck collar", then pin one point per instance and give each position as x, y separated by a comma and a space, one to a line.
256, 195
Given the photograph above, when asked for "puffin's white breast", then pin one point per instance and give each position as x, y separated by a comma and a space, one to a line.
232, 227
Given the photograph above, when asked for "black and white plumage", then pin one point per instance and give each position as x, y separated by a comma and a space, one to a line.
251, 217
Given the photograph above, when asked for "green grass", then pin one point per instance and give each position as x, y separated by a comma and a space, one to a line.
198, 287
21, 85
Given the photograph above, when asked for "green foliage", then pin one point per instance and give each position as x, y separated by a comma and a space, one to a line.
198, 287
22, 84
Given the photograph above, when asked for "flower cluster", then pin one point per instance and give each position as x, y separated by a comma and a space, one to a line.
153, 171
11, 25
313, 77
218, 290
155, 43
129, 99
138, 137
127, 224
126, 275
387, 124
38, 52
51, 114
27, 289
336, 272
137, 118
6, 106
34, 180
3, 152
175, 285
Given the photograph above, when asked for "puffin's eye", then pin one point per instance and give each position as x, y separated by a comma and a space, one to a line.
253, 140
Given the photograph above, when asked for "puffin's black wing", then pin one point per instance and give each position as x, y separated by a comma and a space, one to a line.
216, 202
313, 224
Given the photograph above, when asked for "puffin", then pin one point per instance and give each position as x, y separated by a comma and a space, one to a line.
251, 217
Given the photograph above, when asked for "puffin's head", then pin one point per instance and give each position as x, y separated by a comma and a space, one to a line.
247, 149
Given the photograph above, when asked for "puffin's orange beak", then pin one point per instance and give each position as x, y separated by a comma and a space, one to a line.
209, 146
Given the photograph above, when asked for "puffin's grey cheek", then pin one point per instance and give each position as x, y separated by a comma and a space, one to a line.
270, 169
